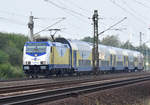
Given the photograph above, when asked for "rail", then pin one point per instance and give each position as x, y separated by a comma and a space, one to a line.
57, 94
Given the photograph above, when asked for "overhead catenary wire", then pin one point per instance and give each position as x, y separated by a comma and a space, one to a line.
134, 11
147, 1
113, 25
13, 13
142, 4
127, 11
13, 21
49, 18
77, 6
66, 9
44, 21
72, 13
143, 18
49, 26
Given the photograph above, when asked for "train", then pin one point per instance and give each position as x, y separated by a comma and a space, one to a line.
66, 56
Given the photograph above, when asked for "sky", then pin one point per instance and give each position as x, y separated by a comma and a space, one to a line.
14, 17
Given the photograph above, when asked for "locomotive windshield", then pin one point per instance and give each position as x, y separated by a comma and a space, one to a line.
36, 47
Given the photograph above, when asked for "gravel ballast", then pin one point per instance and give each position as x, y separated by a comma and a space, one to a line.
135, 94
51, 80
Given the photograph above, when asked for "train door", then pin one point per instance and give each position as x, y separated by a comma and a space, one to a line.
127, 61
124, 61
75, 59
114, 60
135, 62
52, 55
111, 60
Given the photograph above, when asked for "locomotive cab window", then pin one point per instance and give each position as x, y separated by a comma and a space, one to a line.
36, 47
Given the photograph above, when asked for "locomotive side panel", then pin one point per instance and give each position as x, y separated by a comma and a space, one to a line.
60, 57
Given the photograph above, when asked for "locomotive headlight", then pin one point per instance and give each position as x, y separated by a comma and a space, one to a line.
28, 62
43, 62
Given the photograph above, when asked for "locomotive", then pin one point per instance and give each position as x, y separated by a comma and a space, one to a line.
65, 56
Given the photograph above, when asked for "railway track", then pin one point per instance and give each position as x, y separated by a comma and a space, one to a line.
54, 77
9, 89
42, 85
21, 79
74, 91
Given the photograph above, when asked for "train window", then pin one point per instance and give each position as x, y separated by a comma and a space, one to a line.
61, 52
124, 60
100, 62
104, 63
119, 63
131, 59
51, 49
65, 46
135, 59
84, 63
119, 57
111, 59
114, 60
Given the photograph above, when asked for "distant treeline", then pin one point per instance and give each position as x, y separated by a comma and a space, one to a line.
115, 42
11, 46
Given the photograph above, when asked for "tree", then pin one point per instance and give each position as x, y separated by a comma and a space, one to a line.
3, 57
88, 39
111, 41
128, 45
108, 40
11, 55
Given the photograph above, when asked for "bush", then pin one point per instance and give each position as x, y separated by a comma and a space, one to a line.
11, 55
3, 57
7, 71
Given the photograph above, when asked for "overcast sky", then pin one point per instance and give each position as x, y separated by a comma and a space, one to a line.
14, 16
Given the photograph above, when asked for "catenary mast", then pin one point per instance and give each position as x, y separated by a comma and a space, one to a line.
95, 57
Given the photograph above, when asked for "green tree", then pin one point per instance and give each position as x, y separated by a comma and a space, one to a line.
15, 56
128, 45
3, 57
11, 46
88, 39
111, 41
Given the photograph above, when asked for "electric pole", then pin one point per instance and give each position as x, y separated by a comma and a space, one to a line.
95, 57
141, 49
31, 26
141, 41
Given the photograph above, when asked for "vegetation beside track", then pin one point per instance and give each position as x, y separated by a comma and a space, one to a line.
11, 55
